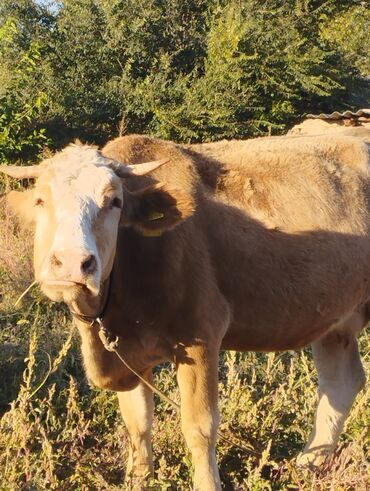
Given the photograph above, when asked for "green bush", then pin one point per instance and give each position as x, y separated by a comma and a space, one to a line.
20, 135
186, 70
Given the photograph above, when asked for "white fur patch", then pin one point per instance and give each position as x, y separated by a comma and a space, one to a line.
77, 178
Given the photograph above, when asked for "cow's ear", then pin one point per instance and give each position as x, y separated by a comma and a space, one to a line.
156, 208
21, 203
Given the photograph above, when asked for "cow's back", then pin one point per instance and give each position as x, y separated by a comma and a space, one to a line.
297, 183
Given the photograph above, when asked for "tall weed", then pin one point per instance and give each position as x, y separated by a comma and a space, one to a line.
57, 433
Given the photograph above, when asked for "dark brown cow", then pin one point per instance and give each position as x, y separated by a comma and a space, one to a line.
257, 245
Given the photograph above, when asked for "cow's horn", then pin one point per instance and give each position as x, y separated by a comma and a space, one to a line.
123, 170
21, 172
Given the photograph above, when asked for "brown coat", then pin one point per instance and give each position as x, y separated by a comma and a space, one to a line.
279, 236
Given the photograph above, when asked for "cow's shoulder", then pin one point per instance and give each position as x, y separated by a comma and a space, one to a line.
180, 171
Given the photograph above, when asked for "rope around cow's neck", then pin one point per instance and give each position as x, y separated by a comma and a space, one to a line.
110, 343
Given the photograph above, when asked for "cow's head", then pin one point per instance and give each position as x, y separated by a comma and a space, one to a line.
76, 206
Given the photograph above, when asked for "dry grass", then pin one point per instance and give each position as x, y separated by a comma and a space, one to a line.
58, 433
15, 254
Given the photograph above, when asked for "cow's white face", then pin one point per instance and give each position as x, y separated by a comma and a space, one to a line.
75, 208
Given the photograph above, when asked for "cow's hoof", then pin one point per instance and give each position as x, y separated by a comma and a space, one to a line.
311, 460
137, 484
139, 480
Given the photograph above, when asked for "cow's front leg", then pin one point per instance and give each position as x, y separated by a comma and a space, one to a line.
137, 408
198, 382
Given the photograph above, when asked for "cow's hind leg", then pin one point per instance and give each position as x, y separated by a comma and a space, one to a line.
137, 407
341, 377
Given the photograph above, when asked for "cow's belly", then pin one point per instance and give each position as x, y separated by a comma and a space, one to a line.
285, 298
251, 340
257, 335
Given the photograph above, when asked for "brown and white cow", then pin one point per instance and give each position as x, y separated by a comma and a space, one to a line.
255, 245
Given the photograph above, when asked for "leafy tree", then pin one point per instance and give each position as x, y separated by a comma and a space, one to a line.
264, 66
349, 32
184, 69
19, 134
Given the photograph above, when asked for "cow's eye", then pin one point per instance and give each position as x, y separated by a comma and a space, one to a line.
115, 203
39, 202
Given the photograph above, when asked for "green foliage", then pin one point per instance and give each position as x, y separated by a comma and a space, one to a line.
19, 135
263, 67
186, 70
349, 32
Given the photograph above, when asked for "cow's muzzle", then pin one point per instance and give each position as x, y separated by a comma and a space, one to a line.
72, 268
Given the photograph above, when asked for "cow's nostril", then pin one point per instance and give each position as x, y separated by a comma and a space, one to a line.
55, 261
89, 264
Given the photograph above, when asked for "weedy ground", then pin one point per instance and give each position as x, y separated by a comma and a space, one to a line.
58, 433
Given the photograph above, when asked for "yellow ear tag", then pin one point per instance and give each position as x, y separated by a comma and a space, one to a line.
152, 233
155, 215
